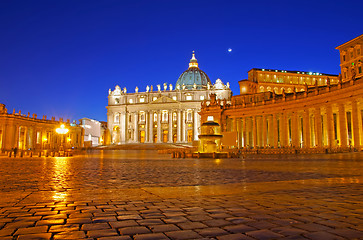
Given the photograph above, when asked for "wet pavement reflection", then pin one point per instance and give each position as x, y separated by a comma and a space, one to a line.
131, 192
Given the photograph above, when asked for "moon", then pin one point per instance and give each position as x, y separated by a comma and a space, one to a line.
229, 49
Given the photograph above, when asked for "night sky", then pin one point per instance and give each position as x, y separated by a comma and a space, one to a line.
59, 58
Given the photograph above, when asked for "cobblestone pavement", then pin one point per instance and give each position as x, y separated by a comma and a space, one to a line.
145, 196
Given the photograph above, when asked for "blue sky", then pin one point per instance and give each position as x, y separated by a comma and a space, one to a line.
59, 58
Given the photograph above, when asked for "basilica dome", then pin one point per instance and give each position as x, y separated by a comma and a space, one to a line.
193, 77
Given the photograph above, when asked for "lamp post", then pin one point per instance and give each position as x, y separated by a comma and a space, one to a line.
61, 131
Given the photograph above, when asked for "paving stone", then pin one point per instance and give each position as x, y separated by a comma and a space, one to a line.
35, 236
151, 236
164, 228
116, 238
7, 232
50, 222
288, 231
234, 236
347, 233
64, 228
322, 235
104, 219
211, 232
239, 228
191, 225
79, 220
264, 234
94, 226
19, 224
196, 218
177, 219
134, 230
183, 234
30, 230
125, 223
216, 223
102, 233
70, 235
148, 222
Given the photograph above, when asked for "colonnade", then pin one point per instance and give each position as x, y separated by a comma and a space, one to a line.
325, 126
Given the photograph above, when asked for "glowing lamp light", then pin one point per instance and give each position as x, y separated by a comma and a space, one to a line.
62, 130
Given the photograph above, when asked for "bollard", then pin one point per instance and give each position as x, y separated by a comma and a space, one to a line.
31, 154
52, 154
9, 153
39, 154
21, 153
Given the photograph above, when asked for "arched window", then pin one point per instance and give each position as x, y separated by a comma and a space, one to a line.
117, 118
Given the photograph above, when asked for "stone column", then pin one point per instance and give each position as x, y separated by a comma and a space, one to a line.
170, 130
196, 124
264, 131
183, 126
146, 128
136, 126
179, 127
159, 133
342, 126
355, 125
295, 130
330, 126
254, 131
283, 130
270, 140
244, 132
276, 131
306, 128
238, 130
151, 127
123, 126
318, 129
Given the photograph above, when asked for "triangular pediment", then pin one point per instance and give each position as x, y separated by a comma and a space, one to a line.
164, 99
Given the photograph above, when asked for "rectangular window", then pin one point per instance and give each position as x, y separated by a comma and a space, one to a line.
349, 125
142, 100
360, 69
39, 137
174, 98
189, 98
343, 58
335, 126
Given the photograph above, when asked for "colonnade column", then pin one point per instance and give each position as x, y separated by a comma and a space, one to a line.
355, 124
178, 135
151, 127
239, 125
170, 131
183, 126
244, 132
318, 130
123, 128
342, 125
146, 126
159, 135
264, 131
283, 130
254, 131
196, 124
136, 127
306, 128
329, 125
275, 126
295, 130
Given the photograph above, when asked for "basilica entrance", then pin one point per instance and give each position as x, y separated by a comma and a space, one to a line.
165, 136
116, 135
190, 135
142, 136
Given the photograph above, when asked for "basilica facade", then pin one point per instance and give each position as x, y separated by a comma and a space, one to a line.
163, 114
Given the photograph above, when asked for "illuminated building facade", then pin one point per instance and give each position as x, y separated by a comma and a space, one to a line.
269, 80
164, 114
26, 132
93, 132
326, 116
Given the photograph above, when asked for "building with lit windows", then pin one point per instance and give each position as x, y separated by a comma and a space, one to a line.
162, 114
268, 80
93, 132
27, 132
321, 114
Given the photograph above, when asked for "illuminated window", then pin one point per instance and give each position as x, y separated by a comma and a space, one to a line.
116, 118
131, 101
154, 98
189, 97
39, 137
142, 116
174, 98
164, 116
202, 97
174, 117
142, 99
155, 117
189, 116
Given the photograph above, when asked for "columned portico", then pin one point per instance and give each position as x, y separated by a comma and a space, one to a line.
170, 129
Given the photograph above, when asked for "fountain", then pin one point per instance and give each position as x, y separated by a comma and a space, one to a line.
210, 138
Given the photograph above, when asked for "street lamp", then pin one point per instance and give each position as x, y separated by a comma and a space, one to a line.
62, 130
